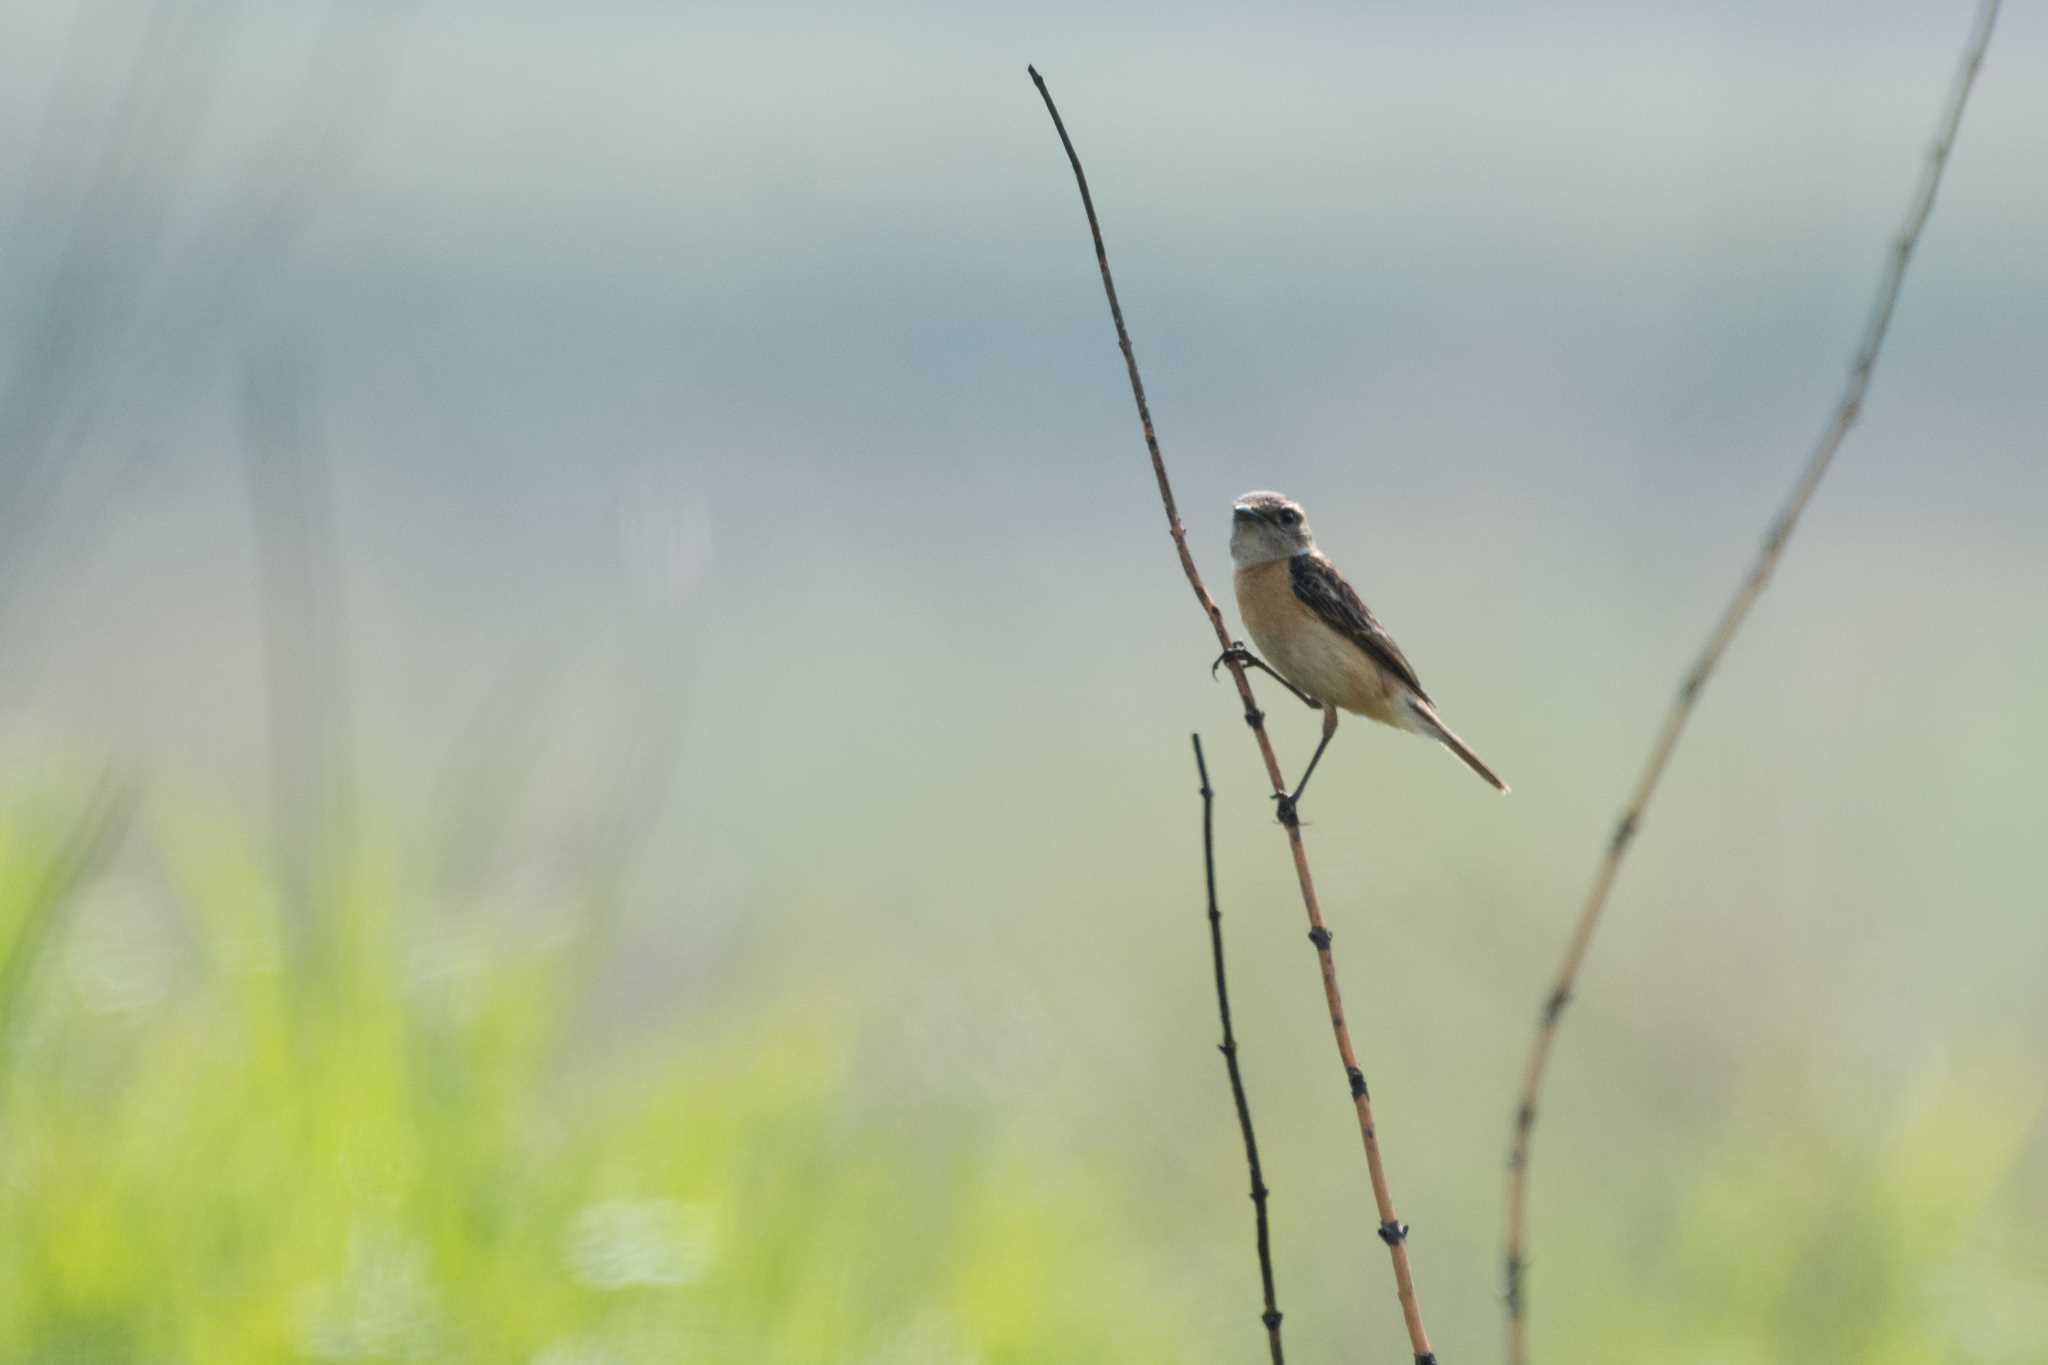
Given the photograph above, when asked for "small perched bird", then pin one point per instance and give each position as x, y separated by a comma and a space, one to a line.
1319, 637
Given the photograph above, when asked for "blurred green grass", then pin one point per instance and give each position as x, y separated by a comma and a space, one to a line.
911, 1059
383, 1153
359, 1160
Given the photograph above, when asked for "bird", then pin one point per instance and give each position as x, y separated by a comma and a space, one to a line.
1318, 636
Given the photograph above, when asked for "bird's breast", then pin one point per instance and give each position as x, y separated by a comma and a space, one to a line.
1308, 652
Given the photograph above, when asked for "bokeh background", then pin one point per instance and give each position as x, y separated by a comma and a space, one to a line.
608, 552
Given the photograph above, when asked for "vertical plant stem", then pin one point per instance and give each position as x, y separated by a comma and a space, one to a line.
305, 674
1847, 410
1271, 1316
1391, 1230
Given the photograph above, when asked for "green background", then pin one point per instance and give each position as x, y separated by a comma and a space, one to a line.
612, 554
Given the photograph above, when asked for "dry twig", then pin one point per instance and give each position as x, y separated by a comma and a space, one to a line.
1846, 412
1391, 1229
1228, 1047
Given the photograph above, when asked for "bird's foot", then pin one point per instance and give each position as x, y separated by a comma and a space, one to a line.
1284, 808
1236, 654
1243, 658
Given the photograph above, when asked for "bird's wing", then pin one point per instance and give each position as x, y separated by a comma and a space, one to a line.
1323, 591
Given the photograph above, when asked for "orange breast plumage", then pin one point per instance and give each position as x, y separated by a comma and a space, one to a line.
1307, 650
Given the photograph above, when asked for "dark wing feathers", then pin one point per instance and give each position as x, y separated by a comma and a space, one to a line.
1323, 591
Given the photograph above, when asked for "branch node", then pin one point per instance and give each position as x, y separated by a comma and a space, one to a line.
1624, 830
1393, 1232
1525, 1118
1271, 1319
1321, 938
1358, 1090
1554, 1006
1779, 533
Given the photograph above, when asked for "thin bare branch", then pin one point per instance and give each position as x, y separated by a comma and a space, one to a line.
1271, 1316
1847, 410
1392, 1230
299, 588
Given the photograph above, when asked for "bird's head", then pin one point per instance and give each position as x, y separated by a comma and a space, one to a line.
1267, 526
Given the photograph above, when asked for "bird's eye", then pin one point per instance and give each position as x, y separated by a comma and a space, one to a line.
1288, 516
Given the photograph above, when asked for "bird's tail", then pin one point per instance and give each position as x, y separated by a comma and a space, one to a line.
1427, 723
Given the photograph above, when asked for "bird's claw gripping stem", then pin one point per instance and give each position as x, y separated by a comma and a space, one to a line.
1244, 658
1236, 654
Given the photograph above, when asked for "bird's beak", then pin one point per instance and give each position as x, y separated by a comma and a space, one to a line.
1241, 509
